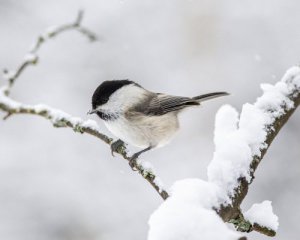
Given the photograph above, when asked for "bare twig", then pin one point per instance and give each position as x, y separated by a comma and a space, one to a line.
31, 58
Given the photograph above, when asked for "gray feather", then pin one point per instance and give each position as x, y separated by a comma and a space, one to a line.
209, 96
160, 104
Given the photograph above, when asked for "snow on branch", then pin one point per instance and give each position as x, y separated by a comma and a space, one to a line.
241, 143
262, 214
241, 147
57, 117
61, 119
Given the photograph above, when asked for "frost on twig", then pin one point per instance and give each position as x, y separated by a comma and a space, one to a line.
31, 58
57, 117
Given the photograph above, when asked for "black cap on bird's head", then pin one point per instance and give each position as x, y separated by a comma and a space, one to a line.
105, 90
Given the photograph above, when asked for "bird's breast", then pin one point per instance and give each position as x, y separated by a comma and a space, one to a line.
142, 131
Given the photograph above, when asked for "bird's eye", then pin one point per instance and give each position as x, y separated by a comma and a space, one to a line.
104, 100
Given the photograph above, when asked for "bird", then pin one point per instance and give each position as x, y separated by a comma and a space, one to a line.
140, 117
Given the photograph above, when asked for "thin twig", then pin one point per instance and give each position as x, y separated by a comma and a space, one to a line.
31, 58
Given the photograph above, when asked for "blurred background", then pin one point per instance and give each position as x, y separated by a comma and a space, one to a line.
55, 184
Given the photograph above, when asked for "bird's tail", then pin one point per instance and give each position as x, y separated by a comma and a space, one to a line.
209, 96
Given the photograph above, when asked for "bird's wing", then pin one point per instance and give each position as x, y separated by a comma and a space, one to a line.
161, 104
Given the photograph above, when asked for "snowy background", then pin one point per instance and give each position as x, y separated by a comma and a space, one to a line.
55, 184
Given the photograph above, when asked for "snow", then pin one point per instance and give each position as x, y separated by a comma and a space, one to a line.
187, 214
50, 31
252, 128
292, 78
226, 123
238, 140
91, 124
149, 169
196, 191
6, 100
157, 180
263, 215
30, 57
232, 154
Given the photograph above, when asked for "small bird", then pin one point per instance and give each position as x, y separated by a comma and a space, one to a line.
140, 117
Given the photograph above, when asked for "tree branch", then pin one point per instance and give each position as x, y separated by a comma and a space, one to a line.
31, 58
61, 119
58, 117
232, 213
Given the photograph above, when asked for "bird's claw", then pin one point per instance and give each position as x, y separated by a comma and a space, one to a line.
132, 161
116, 146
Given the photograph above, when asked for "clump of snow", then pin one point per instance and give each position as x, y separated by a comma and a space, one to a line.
274, 100
6, 100
91, 124
238, 140
263, 215
30, 57
196, 191
157, 180
187, 214
227, 119
232, 155
252, 128
292, 78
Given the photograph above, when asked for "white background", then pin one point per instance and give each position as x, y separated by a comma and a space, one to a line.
55, 184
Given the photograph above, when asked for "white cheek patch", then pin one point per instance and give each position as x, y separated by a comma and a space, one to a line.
123, 99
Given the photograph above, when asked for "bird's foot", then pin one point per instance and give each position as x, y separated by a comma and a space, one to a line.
134, 157
117, 146
132, 161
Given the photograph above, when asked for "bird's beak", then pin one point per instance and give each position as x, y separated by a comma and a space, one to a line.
92, 111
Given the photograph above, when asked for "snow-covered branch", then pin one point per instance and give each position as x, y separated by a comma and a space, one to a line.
57, 117
241, 143
61, 119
